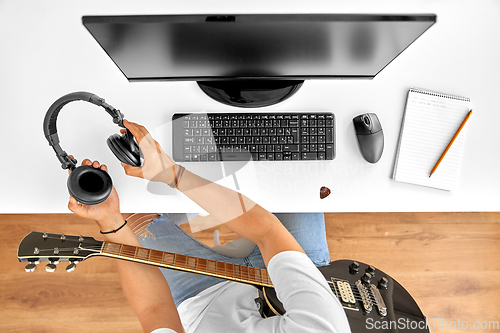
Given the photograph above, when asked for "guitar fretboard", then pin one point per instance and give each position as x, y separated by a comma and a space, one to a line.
220, 269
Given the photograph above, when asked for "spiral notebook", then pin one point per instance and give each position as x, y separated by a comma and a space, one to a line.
430, 121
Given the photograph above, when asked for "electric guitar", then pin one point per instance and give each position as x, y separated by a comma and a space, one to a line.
372, 300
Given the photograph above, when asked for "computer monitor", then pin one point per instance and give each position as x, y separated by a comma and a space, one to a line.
254, 60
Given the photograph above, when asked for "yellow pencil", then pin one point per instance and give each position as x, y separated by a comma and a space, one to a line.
451, 142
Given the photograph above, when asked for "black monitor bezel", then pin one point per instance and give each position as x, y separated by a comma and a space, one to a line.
209, 18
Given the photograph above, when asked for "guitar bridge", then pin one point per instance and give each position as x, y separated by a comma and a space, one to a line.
379, 301
365, 297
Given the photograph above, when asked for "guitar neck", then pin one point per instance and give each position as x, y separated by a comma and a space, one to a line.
220, 269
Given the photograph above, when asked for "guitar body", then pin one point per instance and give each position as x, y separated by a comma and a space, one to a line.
402, 313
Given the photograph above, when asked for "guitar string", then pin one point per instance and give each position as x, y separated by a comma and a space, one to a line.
227, 271
205, 267
357, 296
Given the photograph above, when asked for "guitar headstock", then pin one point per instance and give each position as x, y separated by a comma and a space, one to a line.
53, 248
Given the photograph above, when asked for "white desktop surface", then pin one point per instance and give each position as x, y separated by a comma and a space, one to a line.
46, 52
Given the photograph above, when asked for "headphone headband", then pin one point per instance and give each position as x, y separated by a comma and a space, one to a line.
50, 128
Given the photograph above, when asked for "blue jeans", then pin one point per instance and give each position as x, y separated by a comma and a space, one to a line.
307, 228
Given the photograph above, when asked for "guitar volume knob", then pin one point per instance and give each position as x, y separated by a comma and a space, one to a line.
366, 278
382, 284
354, 268
370, 269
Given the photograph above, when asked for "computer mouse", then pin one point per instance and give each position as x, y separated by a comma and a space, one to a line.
370, 136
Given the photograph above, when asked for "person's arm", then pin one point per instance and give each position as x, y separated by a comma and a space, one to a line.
239, 213
144, 286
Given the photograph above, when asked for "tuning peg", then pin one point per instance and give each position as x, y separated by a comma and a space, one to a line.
30, 267
51, 266
71, 267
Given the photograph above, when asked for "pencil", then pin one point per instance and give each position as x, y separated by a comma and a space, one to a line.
451, 142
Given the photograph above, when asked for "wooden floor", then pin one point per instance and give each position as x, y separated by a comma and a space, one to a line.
449, 262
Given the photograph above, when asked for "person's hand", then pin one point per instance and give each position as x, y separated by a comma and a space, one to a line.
106, 213
157, 164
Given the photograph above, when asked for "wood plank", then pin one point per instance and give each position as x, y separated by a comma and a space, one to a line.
449, 262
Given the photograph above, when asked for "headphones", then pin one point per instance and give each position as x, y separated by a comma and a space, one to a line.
87, 184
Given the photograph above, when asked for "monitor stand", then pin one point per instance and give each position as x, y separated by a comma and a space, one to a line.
250, 93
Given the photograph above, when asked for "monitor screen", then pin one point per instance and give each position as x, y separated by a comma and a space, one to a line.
268, 46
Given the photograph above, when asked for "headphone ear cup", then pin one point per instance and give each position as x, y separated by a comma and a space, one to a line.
125, 149
89, 185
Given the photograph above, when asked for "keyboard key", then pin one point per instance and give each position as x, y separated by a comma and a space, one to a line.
291, 148
321, 121
309, 156
329, 151
329, 135
329, 121
235, 156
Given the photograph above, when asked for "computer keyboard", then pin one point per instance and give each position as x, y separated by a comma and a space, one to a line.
278, 136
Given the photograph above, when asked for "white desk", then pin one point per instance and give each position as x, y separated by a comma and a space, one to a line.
46, 52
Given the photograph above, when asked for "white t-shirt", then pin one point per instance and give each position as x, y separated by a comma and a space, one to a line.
229, 306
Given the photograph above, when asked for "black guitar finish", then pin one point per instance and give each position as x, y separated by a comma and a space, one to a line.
401, 313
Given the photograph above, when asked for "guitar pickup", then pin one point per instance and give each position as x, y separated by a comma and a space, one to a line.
342, 289
345, 291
